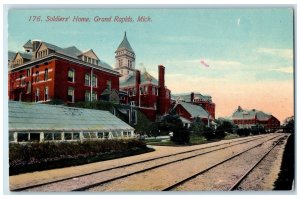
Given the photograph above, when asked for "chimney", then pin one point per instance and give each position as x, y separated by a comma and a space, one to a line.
192, 96
137, 86
161, 76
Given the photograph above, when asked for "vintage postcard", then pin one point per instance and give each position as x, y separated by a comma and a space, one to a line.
150, 99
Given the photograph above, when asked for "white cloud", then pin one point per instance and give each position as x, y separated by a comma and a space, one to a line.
238, 21
284, 53
288, 70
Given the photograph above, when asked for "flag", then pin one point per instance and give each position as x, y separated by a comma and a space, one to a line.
204, 63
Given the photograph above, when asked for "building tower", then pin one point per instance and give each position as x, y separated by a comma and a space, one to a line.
125, 59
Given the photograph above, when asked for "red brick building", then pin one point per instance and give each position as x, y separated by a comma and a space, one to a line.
250, 118
141, 90
205, 101
46, 72
189, 112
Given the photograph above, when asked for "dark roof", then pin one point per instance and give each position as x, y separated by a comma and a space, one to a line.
187, 97
11, 55
125, 44
194, 110
25, 55
250, 114
145, 78
72, 50
33, 116
28, 44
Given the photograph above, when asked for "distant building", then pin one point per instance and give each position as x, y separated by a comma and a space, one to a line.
45, 72
143, 91
250, 118
33, 122
189, 112
205, 101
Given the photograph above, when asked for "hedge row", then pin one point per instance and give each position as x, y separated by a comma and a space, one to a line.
35, 153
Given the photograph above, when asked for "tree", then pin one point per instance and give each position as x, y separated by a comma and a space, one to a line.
289, 125
197, 126
173, 123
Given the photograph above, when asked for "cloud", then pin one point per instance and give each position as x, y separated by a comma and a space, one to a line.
289, 70
238, 21
284, 53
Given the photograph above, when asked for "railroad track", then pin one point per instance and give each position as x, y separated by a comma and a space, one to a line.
97, 183
237, 183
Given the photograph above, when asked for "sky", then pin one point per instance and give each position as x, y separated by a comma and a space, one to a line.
241, 56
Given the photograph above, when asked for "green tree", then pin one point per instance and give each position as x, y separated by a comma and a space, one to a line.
181, 134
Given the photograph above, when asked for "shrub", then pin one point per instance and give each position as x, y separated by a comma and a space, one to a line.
243, 132
32, 153
209, 133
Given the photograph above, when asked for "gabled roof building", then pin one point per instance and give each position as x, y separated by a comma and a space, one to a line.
46, 72
249, 118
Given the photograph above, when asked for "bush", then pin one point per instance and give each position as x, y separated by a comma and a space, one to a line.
209, 133
243, 132
32, 153
181, 136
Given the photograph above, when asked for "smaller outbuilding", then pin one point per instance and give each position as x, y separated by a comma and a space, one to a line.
34, 122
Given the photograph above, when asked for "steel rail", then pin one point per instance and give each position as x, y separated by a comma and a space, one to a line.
143, 161
213, 166
239, 181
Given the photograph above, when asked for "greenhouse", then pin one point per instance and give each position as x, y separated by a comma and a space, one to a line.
33, 122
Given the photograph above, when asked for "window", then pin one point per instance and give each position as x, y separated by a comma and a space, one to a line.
37, 95
71, 94
153, 90
23, 137
133, 91
48, 136
76, 136
87, 79
57, 136
146, 89
11, 137
106, 135
120, 62
156, 91
28, 87
94, 96
22, 80
46, 94
96, 62
94, 81
132, 103
71, 75
142, 90
87, 96
100, 135
108, 85
28, 72
85, 58
68, 136
46, 74
34, 137
37, 76
89, 60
